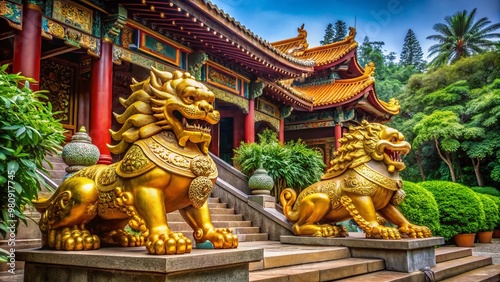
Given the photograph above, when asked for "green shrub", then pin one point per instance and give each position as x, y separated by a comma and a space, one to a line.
491, 213
487, 190
419, 206
460, 208
28, 132
292, 165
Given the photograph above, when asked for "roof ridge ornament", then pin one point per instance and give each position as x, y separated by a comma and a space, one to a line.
370, 69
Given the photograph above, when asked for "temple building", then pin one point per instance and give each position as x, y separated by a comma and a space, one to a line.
85, 53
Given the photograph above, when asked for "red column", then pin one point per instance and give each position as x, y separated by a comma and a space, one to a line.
215, 143
238, 130
101, 101
250, 122
338, 135
28, 45
281, 133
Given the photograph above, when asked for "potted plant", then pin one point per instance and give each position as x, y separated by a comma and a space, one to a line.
28, 132
487, 226
291, 165
420, 207
460, 211
495, 196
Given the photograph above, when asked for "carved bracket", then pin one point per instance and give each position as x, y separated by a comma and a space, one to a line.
71, 36
196, 61
114, 23
274, 122
239, 101
121, 54
256, 89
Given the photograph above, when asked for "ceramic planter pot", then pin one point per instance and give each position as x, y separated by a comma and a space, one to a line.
484, 236
465, 239
260, 182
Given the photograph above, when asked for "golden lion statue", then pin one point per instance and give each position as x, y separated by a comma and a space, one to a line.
363, 183
166, 168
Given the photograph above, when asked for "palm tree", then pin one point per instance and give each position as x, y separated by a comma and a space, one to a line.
461, 37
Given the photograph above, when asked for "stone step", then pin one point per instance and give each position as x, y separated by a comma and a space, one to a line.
446, 253
458, 266
319, 271
221, 211
176, 217
181, 226
387, 276
250, 237
280, 255
217, 205
490, 273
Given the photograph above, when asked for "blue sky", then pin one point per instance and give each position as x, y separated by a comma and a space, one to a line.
386, 21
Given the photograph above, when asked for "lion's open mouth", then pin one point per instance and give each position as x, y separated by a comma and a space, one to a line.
195, 125
395, 156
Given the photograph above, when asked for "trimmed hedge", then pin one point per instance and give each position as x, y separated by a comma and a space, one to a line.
460, 208
494, 194
486, 190
420, 207
491, 213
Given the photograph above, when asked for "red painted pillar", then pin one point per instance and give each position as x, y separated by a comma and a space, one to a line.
215, 143
250, 122
101, 101
338, 135
281, 133
238, 130
28, 45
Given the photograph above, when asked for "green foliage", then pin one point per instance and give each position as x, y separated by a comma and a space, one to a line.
491, 213
419, 206
486, 190
442, 126
412, 54
461, 36
339, 31
28, 132
329, 34
459, 208
292, 165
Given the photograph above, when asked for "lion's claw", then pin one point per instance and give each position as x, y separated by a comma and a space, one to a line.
170, 244
383, 232
123, 238
221, 238
73, 239
415, 231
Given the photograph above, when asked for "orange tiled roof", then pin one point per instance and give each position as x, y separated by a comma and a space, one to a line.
338, 91
293, 46
326, 54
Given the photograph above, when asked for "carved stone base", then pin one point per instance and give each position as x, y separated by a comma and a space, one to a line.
135, 264
405, 255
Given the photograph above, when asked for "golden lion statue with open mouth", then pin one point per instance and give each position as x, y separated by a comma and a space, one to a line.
363, 184
166, 168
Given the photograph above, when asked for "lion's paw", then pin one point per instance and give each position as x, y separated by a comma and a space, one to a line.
170, 244
74, 238
221, 238
327, 230
415, 231
383, 232
123, 238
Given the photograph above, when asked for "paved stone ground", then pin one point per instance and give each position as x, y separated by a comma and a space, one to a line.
492, 249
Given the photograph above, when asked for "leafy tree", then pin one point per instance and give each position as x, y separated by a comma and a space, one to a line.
28, 132
412, 54
484, 109
444, 129
329, 34
339, 31
461, 36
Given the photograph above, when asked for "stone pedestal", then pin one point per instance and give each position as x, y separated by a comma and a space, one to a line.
405, 255
265, 201
135, 264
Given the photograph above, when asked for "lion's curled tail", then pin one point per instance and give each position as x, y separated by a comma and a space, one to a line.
287, 200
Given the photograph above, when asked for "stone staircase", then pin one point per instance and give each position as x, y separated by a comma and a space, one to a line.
284, 262
222, 217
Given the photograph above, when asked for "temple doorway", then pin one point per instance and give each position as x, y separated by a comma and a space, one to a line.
226, 139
